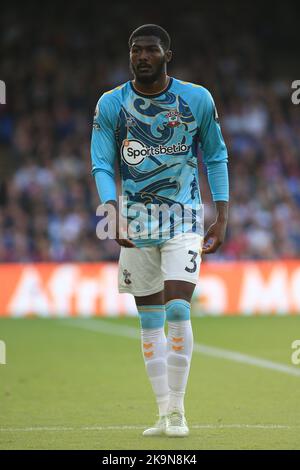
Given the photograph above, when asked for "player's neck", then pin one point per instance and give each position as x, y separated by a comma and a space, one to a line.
152, 88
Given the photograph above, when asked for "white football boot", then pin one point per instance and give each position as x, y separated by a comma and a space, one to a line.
158, 429
176, 425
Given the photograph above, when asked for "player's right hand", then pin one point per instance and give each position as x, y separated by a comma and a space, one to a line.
125, 242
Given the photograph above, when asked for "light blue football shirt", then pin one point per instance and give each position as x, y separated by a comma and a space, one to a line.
155, 140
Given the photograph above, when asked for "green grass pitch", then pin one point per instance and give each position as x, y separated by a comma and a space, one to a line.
85, 387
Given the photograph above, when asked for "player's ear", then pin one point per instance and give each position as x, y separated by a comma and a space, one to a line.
169, 54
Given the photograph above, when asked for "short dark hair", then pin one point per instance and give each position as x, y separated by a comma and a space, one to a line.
152, 30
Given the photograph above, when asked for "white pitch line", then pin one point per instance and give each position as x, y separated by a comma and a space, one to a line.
105, 327
122, 428
246, 359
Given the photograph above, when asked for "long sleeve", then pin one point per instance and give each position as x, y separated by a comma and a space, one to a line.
214, 150
104, 150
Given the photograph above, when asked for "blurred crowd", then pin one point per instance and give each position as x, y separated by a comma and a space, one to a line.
56, 67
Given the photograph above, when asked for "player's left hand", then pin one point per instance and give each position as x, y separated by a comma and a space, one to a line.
214, 237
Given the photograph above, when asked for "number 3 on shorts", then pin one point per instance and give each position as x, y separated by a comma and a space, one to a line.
193, 261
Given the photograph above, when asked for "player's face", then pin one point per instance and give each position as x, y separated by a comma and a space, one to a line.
147, 59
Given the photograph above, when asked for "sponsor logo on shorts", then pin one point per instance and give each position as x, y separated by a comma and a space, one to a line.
134, 152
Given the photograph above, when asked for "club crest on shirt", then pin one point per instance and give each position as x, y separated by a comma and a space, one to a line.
173, 118
127, 275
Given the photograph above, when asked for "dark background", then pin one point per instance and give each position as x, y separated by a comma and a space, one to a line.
57, 59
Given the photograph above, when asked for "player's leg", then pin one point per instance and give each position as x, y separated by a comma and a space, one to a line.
180, 265
180, 339
140, 274
154, 347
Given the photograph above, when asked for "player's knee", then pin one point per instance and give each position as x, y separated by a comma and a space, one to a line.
178, 310
151, 319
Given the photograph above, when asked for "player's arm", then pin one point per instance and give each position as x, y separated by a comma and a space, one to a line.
103, 155
215, 158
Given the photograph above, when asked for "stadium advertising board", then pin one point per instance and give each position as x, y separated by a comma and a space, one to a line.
85, 289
